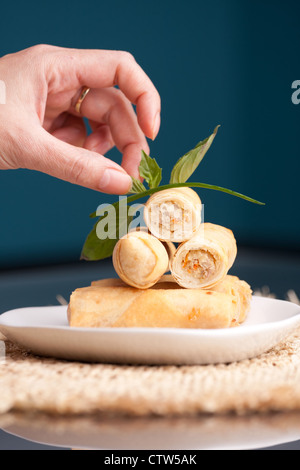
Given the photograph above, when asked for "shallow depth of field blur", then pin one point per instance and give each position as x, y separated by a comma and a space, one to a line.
230, 63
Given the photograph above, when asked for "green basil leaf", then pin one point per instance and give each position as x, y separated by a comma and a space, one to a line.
150, 171
97, 249
137, 186
187, 164
113, 223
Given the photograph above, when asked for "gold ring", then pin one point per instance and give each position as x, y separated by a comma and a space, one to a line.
83, 94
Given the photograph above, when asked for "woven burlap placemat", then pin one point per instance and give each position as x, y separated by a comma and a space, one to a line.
265, 383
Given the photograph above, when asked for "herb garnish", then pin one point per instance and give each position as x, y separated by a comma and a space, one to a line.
96, 249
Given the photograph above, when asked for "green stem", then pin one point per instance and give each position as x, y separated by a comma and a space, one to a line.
137, 196
192, 185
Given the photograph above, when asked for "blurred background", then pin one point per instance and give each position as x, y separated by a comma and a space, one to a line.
230, 63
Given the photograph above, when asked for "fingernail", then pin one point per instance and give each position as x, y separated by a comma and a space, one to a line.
156, 126
115, 182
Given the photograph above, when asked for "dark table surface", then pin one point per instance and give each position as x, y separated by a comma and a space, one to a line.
273, 270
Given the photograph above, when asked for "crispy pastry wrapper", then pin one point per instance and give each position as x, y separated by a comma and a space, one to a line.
241, 290
140, 259
206, 258
169, 246
112, 303
173, 214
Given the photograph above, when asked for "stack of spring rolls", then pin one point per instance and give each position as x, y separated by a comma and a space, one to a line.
199, 292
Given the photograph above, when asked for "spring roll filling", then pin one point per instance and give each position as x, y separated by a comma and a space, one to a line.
170, 216
199, 264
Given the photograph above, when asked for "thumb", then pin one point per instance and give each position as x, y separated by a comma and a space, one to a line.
76, 165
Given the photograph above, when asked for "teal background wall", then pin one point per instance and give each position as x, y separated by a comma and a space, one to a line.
223, 62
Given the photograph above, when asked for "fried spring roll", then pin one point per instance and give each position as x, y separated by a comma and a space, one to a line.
241, 290
173, 214
111, 303
140, 259
230, 285
169, 246
206, 258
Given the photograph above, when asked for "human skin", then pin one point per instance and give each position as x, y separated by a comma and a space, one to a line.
41, 130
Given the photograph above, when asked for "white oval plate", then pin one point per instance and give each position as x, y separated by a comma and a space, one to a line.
45, 332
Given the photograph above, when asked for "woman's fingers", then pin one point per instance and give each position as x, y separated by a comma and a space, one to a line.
103, 69
111, 108
48, 141
44, 152
70, 129
100, 140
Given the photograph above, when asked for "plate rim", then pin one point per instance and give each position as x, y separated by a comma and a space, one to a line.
207, 332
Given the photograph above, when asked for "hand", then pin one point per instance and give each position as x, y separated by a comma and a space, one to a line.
40, 129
